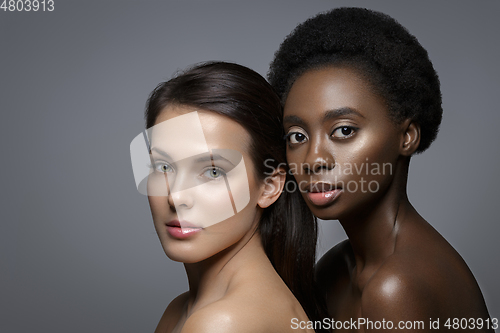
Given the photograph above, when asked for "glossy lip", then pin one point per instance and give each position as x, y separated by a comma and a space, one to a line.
322, 193
182, 230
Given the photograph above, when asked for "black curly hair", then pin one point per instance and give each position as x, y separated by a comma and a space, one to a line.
392, 61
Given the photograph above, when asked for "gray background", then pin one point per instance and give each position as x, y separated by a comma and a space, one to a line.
78, 248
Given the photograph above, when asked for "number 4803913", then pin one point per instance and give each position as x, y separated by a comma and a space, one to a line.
27, 5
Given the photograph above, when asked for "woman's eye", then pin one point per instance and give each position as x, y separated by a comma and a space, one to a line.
213, 173
343, 132
164, 167
297, 137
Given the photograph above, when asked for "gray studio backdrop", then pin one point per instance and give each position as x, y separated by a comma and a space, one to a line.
78, 249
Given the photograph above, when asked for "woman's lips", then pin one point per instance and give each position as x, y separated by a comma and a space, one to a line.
323, 198
182, 230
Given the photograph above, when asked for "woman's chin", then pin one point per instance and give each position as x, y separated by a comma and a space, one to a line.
187, 253
324, 214
185, 258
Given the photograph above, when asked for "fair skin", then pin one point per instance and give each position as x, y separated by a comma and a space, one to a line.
395, 266
232, 285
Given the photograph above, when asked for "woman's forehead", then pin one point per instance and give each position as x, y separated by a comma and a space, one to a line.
322, 90
185, 131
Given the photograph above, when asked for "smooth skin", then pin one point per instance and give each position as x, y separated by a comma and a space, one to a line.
394, 266
233, 286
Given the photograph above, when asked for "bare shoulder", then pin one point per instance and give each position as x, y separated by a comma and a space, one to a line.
254, 304
334, 265
418, 285
172, 313
234, 315
395, 292
220, 317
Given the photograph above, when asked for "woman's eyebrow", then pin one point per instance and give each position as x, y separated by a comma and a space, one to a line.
161, 152
330, 114
212, 157
335, 113
294, 120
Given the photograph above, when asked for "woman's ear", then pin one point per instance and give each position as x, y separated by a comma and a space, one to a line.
411, 137
272, 188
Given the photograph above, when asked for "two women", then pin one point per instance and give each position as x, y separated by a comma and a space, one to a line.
359, 98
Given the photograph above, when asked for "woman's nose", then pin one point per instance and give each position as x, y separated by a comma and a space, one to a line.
180, 200
179, 195
319, 158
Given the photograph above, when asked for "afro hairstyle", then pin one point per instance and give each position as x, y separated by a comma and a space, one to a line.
392, 61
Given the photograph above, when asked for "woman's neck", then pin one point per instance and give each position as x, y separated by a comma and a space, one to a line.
210, 279
373, 231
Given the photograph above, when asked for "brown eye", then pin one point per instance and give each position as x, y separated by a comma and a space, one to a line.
343, 132
296, 136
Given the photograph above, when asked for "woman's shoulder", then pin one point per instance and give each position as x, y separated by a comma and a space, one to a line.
256, 300
225, 316
241, 312
427, 280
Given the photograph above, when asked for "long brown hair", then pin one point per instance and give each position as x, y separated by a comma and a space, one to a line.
287, 228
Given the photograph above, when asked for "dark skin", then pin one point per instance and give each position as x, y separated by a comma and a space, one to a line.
395, 266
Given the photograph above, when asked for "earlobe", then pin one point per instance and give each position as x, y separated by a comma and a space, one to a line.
272, 188
411, 137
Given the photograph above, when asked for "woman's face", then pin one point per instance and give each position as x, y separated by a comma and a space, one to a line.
341, 145
210, 198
